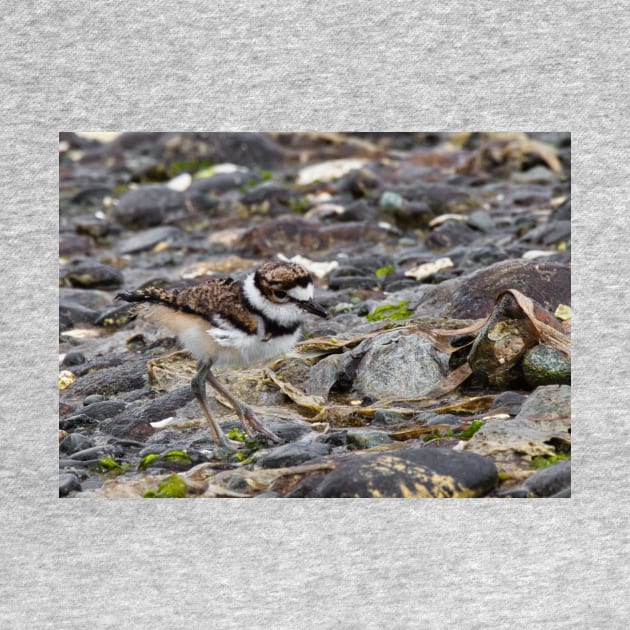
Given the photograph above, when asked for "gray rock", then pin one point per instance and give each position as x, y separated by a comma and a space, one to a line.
147, 239
148, 206
366, 438
89, 274
544, 365
104, 409
75, 442
398, 364
385, 418
545, 416
293, 454
481, 220
554, 481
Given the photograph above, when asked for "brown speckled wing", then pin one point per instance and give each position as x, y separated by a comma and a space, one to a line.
220, 297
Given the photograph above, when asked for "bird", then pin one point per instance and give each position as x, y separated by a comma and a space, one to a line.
233, 323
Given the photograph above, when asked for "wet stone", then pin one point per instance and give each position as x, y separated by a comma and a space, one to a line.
366, 438
413, 472
76, 421
89, 274
74, 357
68, 482
71, 314
293, 454
75, 442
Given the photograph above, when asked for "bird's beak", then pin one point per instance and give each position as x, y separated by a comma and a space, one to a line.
315, 308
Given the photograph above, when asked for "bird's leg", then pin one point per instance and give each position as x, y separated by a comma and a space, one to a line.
245, 414
198, 385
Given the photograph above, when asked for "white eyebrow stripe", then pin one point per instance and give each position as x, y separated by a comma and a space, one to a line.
301, 294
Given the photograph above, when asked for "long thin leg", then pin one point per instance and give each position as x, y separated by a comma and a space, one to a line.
246, 415
198, 385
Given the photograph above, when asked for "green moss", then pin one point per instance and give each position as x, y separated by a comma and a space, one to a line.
393, 312
383, 272
107, 464
466, 434
238, 435
181, 457
299, 205
172, 487
544, 461
147, 460
192, 166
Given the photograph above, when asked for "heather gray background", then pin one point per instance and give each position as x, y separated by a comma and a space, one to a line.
297, 66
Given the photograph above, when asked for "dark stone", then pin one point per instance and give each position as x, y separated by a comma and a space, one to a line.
253, 150
113, 380
548, 482
334, 438
148, 206
562, 212
449, 234
293, 454
104, 409
72, 244
473, 296
89, 274
148, 239
71, 314
75, 442
359, 210
68, 482
134, 423
337, 282
508, 402
76, 421
270, 199
98, 452
74, 357
414, 472
413, 215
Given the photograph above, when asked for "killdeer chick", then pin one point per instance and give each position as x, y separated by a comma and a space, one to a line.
226, 322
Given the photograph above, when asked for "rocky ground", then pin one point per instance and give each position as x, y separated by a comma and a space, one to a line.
444, 260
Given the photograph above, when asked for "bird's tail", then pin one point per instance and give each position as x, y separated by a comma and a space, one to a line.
151, 294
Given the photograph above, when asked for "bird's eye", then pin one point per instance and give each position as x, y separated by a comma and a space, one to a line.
280, 295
